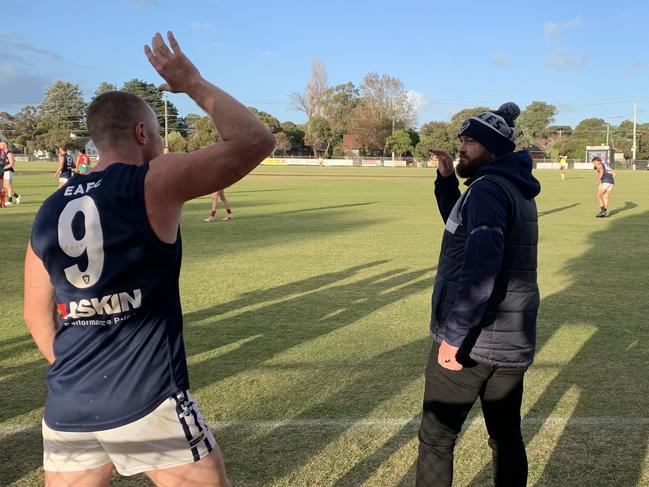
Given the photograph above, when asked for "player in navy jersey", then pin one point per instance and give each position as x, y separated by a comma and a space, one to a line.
8, 161
65, 168
605, 183
101, 308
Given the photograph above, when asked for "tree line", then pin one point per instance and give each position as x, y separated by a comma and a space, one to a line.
377, 117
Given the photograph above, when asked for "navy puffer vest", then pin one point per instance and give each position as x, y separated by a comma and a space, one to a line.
506, 335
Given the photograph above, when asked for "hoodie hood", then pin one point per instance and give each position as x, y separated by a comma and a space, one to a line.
515, 166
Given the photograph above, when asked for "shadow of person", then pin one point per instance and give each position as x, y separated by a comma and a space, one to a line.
267, 331
628, 205
556, 210
588, 423
17, 462
373, 384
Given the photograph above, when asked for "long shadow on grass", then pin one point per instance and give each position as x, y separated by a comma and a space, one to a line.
202, 241
254, 191
375, 382
556, 210
628, 205
306, 310
15, 346
360, 473
604, 384
23, 388
263, 295
333, 207
20, 455
306, 313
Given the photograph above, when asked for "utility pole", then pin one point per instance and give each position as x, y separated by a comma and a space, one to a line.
393, 115
164, 95
608, 132
560, 134
634, 148
392, 134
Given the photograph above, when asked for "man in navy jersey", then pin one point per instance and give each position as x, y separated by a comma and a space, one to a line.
8, 161
66, 166
118, 385
605, 183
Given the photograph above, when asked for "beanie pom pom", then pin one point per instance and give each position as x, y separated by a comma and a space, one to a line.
509, 111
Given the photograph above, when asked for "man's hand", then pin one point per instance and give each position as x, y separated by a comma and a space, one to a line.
176, 68
445, 166
446, 356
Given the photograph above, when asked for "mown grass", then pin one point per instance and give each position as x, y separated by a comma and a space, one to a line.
309, 311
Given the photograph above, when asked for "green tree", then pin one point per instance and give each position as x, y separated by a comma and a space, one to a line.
436, 134
295, 134
384, 107
414, 136
176, 142
267, 119
6, 123
622, 138
282, 143
61, 113
642, 142
338, 105
318, 135
25, 128
533, 122
150, 93
104, 87
202, 132
559, 132
591, 131
399, 143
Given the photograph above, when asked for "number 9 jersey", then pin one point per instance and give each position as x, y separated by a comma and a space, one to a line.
118, 348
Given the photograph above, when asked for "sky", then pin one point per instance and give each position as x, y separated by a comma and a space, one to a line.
589, 58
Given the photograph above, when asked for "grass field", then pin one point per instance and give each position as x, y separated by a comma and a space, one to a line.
306, 325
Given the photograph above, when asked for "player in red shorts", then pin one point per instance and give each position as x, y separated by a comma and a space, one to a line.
219, 195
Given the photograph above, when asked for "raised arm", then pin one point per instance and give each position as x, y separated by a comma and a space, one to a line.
175, 178
447, 186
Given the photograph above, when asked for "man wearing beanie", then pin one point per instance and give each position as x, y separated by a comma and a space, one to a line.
485, 299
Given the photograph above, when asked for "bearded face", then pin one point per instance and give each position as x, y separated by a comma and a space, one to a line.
472, 155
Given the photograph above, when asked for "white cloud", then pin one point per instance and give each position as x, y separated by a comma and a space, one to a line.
142, 4
500, 59
560, 56
201, 26
268, 54
554, 30
18, 87
419, 100
564, 108
563, 59
11, 44
635, 67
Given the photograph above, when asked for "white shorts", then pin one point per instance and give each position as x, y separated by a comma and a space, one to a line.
173, 434
605, 186
8, 175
